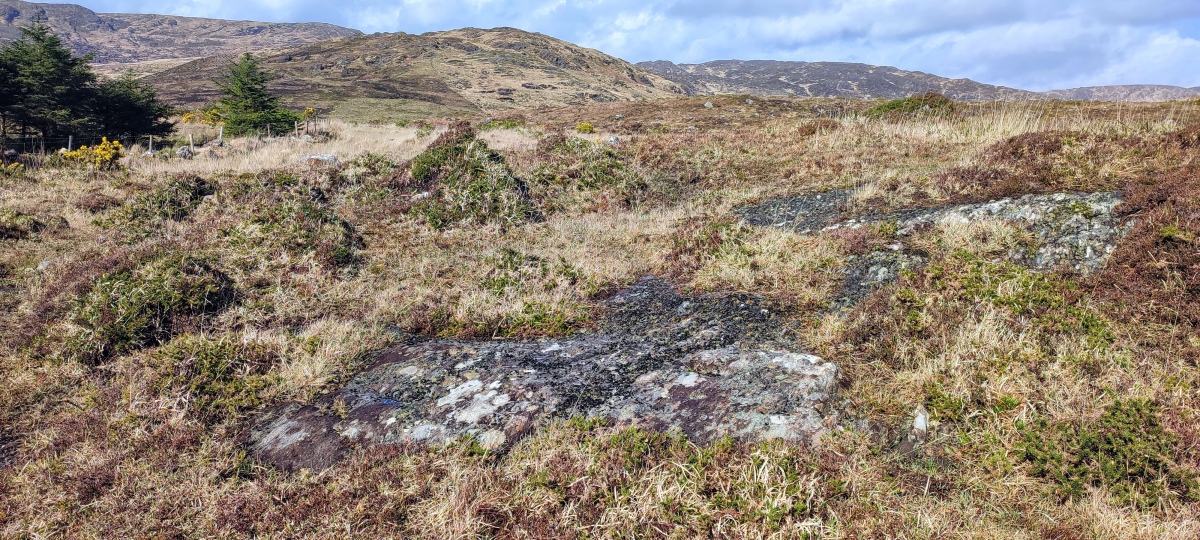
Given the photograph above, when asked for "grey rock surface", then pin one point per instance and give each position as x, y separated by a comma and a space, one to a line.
320, 160
709, 366
1076, 232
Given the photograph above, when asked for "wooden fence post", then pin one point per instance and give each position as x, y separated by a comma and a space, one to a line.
70, 142
191, 144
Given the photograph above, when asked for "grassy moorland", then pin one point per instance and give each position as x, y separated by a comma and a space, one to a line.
180, 296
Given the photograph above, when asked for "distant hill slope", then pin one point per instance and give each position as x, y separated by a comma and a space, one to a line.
392, 76
127, 38
1128, 92
824, 79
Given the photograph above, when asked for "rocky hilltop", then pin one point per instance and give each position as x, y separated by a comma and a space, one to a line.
129, 38
459, 70
824, 79
1126, 92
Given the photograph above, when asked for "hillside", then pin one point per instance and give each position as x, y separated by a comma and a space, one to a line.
1127, 92
128, 38
823, 79
388, 76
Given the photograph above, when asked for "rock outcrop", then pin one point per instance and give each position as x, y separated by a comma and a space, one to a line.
1076, 232
709, 366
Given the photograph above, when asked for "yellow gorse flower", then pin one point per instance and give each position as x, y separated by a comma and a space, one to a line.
102, 156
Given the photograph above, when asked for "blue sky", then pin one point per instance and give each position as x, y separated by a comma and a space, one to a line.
1032, 44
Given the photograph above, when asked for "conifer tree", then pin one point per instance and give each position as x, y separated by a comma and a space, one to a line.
246, 106
49, 86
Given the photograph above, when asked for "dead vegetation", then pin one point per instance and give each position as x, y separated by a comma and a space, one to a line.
181, 296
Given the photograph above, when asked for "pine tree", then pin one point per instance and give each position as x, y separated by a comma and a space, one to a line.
48, 86
246, 106
125, 108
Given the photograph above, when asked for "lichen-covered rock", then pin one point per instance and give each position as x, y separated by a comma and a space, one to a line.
1073, 231
708, 366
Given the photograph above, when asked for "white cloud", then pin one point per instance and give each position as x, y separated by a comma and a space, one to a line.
1036, 44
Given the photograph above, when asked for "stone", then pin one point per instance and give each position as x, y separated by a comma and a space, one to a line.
320, 160
1073, 231
184, 152
709, 366
708, 105
44, 265
614, 140
619, 117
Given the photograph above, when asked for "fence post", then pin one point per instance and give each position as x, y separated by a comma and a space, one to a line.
191, 144
152, 144
221, 134
70, 142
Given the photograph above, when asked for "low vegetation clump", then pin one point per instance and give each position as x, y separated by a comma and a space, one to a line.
220, 377
1126, 451
144, 215
467, 184
16, 225
585, 128
930, 103
130, 310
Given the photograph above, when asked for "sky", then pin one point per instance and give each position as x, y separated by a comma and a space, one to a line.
1030, 44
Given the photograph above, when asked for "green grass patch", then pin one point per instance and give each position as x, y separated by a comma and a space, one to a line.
1126, 451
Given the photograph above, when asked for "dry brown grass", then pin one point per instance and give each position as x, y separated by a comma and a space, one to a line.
119, 449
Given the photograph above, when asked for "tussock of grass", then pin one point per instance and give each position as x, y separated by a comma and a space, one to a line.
929, 103
16, 225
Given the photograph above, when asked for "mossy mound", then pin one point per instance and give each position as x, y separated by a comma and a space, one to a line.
175, 200
220, 376
16, 225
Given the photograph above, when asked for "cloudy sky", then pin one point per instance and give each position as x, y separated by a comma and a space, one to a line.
1032, 44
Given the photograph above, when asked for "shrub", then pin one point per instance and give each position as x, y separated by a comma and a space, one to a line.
142, 307
1126, 450
175, 201
279, 215
471, 184
220, 376
18, 225
12, 170
103, 156
585, 127
931, 103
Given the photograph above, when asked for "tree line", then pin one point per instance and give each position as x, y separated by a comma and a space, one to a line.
46, 91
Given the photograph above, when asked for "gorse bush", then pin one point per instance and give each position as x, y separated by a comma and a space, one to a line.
585, 128
132, 309
103, 156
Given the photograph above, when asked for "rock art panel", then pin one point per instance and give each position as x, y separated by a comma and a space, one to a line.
708, 366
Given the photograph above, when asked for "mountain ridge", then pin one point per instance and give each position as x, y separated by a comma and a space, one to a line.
130, 38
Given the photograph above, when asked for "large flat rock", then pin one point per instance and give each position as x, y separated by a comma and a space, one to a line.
708, 366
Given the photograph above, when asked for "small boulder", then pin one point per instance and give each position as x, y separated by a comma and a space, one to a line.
185, 152
320, 160
44, 265
708, 105
614, 140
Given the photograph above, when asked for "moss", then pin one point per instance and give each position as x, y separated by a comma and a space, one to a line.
931, 103
1127, 451
173, 201
221, 377
142, 307
16, 225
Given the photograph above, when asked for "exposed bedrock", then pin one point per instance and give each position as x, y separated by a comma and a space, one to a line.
708, 366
